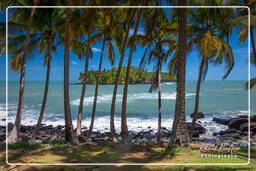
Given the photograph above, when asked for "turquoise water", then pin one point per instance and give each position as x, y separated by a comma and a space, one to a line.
222, 98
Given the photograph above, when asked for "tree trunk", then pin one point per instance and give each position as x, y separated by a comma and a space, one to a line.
38, 126
69, 132
112, 112
159, 102
14, 135
96, 87
81, 104
124, 128
253, 43
199, 80
179, 129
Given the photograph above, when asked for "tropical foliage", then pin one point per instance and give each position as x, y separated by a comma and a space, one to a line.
137, 76
166, 37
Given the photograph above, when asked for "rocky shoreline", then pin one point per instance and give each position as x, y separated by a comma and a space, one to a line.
235, 136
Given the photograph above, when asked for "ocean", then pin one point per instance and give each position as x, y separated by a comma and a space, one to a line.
217, 99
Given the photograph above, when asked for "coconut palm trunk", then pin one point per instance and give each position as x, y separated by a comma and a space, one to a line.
199, 80
124, 128
70, 136
112, 112
253, 43
44, 97
96, 87
179, 129
14, 135
159, 102
84, 83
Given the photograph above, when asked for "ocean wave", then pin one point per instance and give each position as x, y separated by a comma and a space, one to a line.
133, 97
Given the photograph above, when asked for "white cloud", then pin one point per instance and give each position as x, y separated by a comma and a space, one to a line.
73, 62
96, 50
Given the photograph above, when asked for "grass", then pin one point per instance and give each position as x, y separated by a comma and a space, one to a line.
111, 153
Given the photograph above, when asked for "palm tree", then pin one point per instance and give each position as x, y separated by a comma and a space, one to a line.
69, 132
241, 20
124, 128
179, 129
81, 104
211, 45
212, 49
111, 33
155, 39
48, 45
130, 14
15, 133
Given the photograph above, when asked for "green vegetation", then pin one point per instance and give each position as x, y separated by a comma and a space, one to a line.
137, 76
117, 153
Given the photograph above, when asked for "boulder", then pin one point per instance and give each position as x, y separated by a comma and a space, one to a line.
244, 126
222, 121
236, 122
2, 137
253, 118
199, 115
228, 131
198, 128
231, 135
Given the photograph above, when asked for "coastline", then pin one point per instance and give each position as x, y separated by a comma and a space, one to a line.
142, 136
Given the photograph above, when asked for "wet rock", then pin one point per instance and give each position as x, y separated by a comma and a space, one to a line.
228, 131
232, 135
221, 121
199, 115
215, 134
209, 140
198, 128
253, 118
237, 122
244, 127
2, 137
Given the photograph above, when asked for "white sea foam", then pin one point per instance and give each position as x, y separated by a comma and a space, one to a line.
133, 97
168, 83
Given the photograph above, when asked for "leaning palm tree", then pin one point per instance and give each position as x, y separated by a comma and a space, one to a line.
69, 131
124, 128
209, 39
13, 137
47, 45
129, 19
111, 33
215, 50
89, 17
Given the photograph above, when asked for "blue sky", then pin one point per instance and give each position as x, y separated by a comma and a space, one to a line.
36, 71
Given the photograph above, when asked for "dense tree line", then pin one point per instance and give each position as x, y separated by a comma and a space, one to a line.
137, 76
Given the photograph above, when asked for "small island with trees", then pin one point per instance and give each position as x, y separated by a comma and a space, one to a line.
137, 76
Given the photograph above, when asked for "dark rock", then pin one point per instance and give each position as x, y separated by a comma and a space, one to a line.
221, 121
199, 115
2, 137
150, 136
215, 134
244, 126
243, 116
236, 122
228, 131
253, 118
209, 140
231, 135
198, 128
